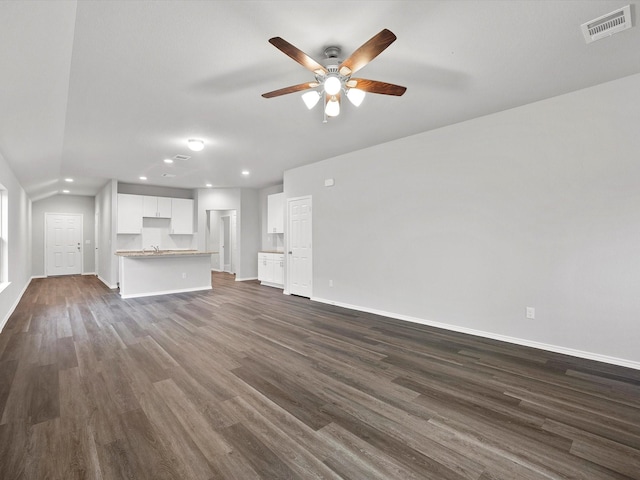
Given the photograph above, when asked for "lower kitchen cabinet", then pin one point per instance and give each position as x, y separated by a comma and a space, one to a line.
271, 269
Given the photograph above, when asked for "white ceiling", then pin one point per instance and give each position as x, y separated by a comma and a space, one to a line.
96, 90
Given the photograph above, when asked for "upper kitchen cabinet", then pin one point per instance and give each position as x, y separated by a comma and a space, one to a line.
181, 216
130, 213
275, 213
158, 207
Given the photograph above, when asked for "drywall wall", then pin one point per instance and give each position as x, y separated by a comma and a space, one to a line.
469, 224
63, 204
18, 242
106, 210
250, 241
156, 191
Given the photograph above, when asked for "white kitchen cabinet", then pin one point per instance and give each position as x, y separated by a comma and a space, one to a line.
181, 216
275, 213
271, 269
158, 207
130, 213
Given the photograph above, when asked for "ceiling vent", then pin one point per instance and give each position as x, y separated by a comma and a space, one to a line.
181, 157
607, 25
168, 175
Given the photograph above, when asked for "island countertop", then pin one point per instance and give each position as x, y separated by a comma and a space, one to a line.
161, 253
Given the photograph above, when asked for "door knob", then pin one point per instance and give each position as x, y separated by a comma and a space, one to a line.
290, 252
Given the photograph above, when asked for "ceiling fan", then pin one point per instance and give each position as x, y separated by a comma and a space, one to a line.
335, 76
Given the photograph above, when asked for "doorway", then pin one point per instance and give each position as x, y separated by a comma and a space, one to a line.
222, 238
299, 251
63, 244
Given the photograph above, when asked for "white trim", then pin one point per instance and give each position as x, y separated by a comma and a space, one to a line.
273, 285
13, 307
89, 273
4, 285
38, 276
166, 292
244, 279
494, 336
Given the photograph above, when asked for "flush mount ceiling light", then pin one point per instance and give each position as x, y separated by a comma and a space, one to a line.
208, 185
68, 180
245, 172
195, 144
334, 77
168, 160
143, 178
65, 191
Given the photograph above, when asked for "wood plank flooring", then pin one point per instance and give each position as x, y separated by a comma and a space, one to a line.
245, 383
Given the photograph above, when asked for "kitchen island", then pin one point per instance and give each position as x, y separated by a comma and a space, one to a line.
145, 273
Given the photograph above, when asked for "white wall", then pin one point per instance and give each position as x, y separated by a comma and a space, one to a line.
250, 241
106, 210
63, 204
18, 242
469, 224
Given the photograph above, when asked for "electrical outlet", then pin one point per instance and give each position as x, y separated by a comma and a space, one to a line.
184, 275
331, 283
531, 313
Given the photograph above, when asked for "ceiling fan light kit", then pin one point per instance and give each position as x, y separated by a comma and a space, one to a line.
334, 77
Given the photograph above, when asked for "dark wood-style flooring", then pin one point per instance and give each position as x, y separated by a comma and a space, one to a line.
245, 383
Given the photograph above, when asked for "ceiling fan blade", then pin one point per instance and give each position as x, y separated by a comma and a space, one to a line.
373, 86
367, 52
298, 55
291, 89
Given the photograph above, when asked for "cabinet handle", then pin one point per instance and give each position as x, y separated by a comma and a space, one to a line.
281, 264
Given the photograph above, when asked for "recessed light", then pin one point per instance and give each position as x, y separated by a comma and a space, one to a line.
143, 178
168, 160
209, 185
68, 180
195, 144
245, 172
65, 191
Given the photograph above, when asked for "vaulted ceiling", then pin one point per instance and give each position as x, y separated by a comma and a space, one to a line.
95, 90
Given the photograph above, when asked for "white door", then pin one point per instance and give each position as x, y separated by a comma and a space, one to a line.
63, 244
299, 259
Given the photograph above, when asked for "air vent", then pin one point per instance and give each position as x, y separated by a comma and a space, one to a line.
607, 25
181, 157
168, 175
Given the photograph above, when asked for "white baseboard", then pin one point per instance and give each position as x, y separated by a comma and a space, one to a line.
245, 279
15, 304
166, 292
90, 273
38, 276
273, 285
494, 336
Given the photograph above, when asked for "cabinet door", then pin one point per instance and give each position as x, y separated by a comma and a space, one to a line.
275, 213
164, 207
129, 213
278, 269
262, 267
150, 206
181, 216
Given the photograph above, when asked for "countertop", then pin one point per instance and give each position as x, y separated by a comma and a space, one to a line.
161, 253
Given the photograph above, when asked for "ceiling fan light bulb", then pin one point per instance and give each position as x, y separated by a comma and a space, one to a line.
332, 85
195, 144
355, 96
333, 108
310, 99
